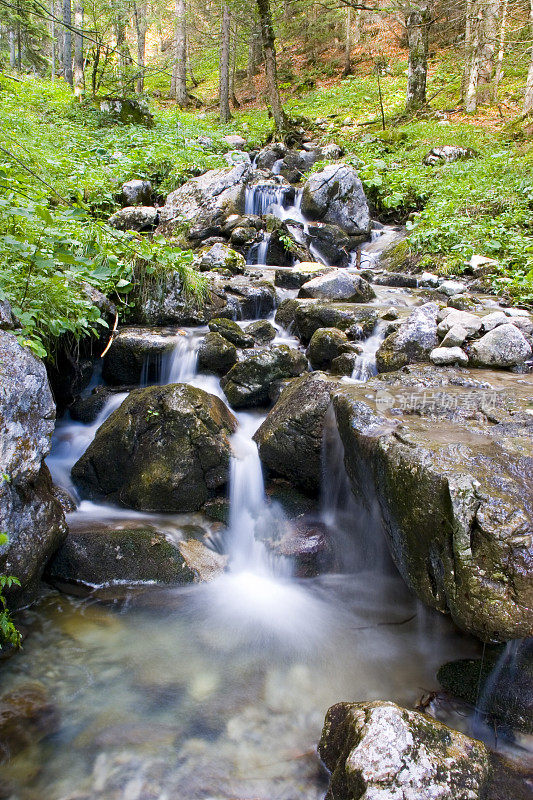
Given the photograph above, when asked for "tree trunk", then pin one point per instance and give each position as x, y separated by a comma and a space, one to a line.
233, 69
528, 99
269, 50
67, 42
12, 49
224, 65
178, 87
79, 81
348, 43
417, 22
468, 49
53, 39
488, 42
501, 49
139, 15
473, 66
254, 52
356, 35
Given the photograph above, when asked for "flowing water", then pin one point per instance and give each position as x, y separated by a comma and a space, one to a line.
219, 690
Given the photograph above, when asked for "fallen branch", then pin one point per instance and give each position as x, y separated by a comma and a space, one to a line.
111, 338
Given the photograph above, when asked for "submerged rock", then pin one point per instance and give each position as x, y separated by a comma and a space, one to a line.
413, 341
338, 286
248, 383
30, 514
165, 449
449, 460
27, 715
380, 751
290, 438
336, 195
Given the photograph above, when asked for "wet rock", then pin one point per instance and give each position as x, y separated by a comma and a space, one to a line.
413, 341
309, 315
87, 409
449, 460
462, 302
137, 351
296, 276
200, 207
504, 346
165, 449
399, 279
261, 331
338, 286
232, 332
247, 384
221, 257
333, 244
205, 564
381, 751
443, 356
134, 218
500, 685
136, 193
249, 299
447, 154
290, 438
336, 195
344, 364
325, 345
390, 314
30, 514
216, 354
286, 313
451, 288
307, 547
27, 715
470, 323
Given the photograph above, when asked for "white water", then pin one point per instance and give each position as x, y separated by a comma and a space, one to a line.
365, 363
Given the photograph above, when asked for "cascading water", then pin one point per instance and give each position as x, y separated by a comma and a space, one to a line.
365, 363
262, 198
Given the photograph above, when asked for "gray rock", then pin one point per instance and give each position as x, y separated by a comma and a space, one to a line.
325, 345
87, 409
309, 315
504, 346
380, 751
494, 319
400, 279
445, 355
165, 449
216, 354
136, 353
127, 111
247, 384
451, 288
333, 244
295, 277
449, 460
336, 195
7, 322
412, 342
390, 314
30, 514
136, 193
290, 438
470, 323
455, 337
338, 286
202, 204
220, 256
447, 154
232, 332
134, 218
235, 141
262, 331
344, 364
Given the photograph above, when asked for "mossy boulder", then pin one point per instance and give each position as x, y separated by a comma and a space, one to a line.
261, 331
232, 332
295, 277
381, 750
220, 257
137, 352
290, 438
449, 460
165, 449
309, 315
325, 345
248, 383
216, 354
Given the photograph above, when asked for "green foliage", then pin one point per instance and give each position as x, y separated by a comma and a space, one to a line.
9, 635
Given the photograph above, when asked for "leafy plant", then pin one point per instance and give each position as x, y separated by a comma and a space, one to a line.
9, 635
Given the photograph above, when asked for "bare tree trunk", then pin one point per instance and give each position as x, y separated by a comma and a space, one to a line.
12, 49
417, 22
233, 68
528, 99
501, 49
269, 50
225, 114
473, 66
178, 88
67, 42
468, 49
79, 80
140, 10
488, 42
53, 39
356, 35
348, 43
254, 52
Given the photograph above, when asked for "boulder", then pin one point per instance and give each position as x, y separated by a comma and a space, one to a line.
448, 153
7, 321
127, 111
295, 277
232, 332
449, 460
201, 205
136, 193
30, 514
455, 337
451, 288
134, 218
290, 438
325, 345
490, 321
220, 257
380, 751
333, 244
338, 286
470, 323
504, 346
443, 356
344, 364
165, 449
396, 279
248, 383
262, 331
309, 315
235, 141
216, 354
97, 553
336, 195
136, 353
248, 298
306, 546
412, 342
87, 409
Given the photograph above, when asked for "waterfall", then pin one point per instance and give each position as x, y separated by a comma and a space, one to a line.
180, 366
365, 363
263, 198
257, 254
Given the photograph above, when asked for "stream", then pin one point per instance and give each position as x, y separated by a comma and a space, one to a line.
219, 690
